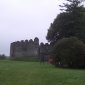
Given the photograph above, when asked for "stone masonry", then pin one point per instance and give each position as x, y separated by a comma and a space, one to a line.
29, 49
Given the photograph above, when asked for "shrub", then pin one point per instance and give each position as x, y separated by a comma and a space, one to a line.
69, 52
2, 56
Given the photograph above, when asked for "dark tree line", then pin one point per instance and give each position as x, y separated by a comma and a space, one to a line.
67, 35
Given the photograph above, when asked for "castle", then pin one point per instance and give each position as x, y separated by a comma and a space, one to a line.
29, 49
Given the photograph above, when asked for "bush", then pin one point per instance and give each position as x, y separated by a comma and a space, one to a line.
69, 52
2, 56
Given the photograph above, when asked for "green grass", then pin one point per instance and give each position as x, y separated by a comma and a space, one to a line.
34, 73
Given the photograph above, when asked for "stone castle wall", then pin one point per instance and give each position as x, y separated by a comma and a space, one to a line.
24, 48
29, 48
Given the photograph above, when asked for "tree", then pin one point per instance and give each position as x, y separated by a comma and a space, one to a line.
71, 22
69, 52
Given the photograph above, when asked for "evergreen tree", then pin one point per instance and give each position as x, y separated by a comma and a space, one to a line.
71, 22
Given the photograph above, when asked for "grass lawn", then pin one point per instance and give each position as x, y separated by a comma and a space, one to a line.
34, 73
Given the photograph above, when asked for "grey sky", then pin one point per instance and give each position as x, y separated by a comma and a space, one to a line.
25, 19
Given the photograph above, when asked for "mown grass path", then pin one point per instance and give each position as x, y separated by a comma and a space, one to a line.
34, 73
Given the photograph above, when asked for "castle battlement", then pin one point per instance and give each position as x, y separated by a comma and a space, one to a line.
29, 48
25, 48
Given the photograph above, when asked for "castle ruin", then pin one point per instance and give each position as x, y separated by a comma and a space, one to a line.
29, 49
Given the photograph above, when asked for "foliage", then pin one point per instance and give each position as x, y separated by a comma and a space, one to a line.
70, 52
71, 22
2, 56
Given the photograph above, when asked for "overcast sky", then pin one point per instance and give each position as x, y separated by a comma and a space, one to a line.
25, 19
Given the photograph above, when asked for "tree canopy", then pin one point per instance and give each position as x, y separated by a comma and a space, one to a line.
70, 22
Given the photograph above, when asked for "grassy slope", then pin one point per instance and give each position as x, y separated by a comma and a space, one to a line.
34, 73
